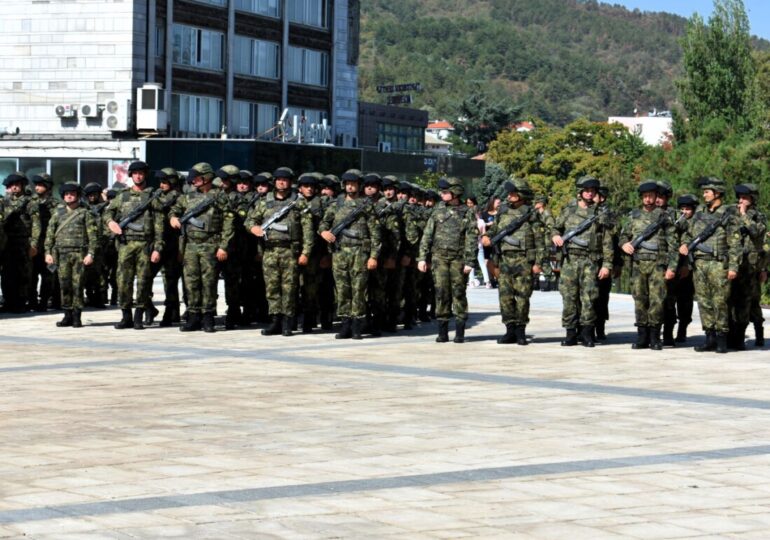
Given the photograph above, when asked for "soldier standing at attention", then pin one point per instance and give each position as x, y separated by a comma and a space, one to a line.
330, 185
716, 261
314, 207
648, 238
288, 242
45, 202
228, 175
22, 233
449, 246
746, 287
170, 185
263, 184
357, 249
95, 278
520, 254
142, 244
207, 231
683, 288
72, 239
391, 215
582, 268
247, 199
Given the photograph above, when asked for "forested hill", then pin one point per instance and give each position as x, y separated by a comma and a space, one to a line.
559, 59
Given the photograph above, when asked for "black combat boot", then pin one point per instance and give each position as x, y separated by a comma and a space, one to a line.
642, 338
681, 333
275, 328
138, 318
739, 337
326, 320
509, 336
459, 331
126, 322
286, 326
571, 339
232, 318
66, 320
150, 314
308, 322
521, 335
711, 342
192, 323
759, 335
345, 330
721, 338
168, 317
588, 336
443, 332
601, 335
208, 322
668, 335
655, 343
374, 325
356, 325
76, 320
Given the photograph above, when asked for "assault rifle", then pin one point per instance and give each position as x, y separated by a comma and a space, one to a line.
510, 229
134, 214
708, 232
96, 210
582, 227
648, 232
278, 216
191, 216
346, 222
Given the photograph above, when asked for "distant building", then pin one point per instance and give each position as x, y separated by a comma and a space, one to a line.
653, 130
391, 129
441, 129
435, 145
524, 126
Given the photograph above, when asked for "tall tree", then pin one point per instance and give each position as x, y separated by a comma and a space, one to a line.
720, 71
479, 120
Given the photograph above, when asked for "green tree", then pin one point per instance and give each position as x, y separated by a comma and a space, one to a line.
479, 119
719, 82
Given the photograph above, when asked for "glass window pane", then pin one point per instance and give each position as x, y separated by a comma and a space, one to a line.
94, 171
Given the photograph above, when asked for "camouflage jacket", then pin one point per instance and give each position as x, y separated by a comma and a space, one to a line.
661, 246
295, 228
216, 220
73, 229
451, 231
596, 241
364, 231
146, 228
391, 226
724, 244
22, 220
526, 241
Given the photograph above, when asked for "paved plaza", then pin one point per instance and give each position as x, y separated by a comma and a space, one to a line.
160, 434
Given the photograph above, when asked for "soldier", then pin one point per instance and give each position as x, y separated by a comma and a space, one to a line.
391, 215
683, 289
648, 238
588, 258
288, 240
95, 277
546, 221
358, 245
520, 252
43, 198
746, 288
71, 241
716, 258
111, 251
610, 222
22, 233
311, 273
141, 244
449, 245
228, 175
247, 247
263, 184
205, 218
170, 185
410, 241
330, 186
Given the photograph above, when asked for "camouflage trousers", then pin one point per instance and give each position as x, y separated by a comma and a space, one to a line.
648, 288
712, 291
15, 274
134, 262
71, 277
279, 266
199, 267
515, 288
579, 289
450, 284
744, 292
95, 278
172, 273
350, 277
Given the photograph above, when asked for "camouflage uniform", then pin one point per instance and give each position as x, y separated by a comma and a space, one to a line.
38, 267
356, 244
284, 242
611, 222
713, 258
389, 269
518, 252
247, 246
72, 234
95, 278
170, 261
311, 274
410, 241
449, 244
211, 231
139, 239
233, 267
585, 255
651, 259
22, 231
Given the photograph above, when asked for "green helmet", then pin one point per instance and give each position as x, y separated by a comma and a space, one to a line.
229, 172
664, 188
453, 185
747, 189
587, 181
713, 183
201, 169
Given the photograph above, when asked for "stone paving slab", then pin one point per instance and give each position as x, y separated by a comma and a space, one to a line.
154, 434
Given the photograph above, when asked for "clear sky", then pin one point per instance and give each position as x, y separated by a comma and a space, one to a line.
758, 10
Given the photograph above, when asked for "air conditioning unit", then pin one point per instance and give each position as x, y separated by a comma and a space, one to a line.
384, 147
115, 114
89, 110
65, 111
151, 114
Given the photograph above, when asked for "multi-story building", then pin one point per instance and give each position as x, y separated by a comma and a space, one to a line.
87, 83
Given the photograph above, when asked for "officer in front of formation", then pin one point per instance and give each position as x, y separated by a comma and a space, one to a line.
716, 261
141, 243
521, 253
204, 217
72, 239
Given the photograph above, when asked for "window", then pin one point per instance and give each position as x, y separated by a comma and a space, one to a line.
94, 170
7, 167
269, 8
160, 41
309, 12
220, 3
256, 57
197, 47
310, 116
254, 119
197, 115
307, 66
401, 138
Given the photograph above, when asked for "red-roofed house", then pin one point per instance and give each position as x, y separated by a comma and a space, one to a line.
440, 128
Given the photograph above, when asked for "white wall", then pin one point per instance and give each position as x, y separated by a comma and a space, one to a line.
653, 130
